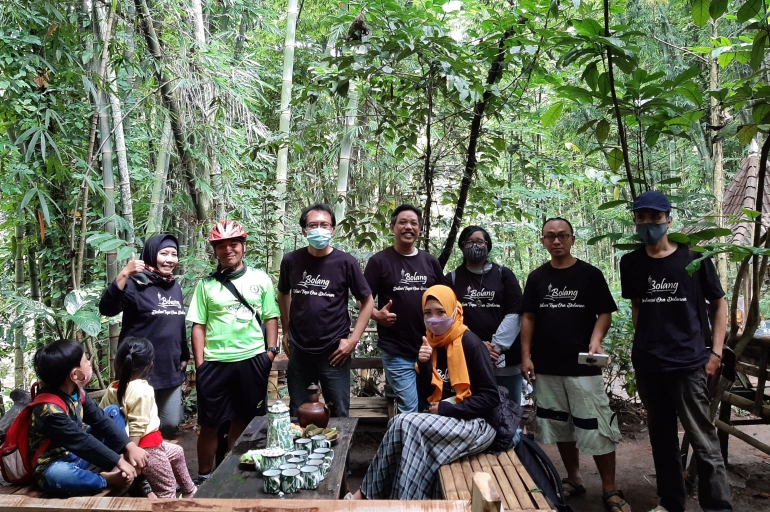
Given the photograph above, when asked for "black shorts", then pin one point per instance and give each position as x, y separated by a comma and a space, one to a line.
232, 390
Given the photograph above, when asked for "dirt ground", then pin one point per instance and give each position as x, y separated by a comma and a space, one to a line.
748, 468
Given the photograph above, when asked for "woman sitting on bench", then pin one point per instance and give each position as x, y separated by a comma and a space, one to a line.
457, 380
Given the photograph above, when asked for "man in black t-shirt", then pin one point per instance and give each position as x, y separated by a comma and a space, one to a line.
673, 353
398, 276
313, 289
567, 310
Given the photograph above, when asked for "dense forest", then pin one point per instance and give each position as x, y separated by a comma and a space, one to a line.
121, 119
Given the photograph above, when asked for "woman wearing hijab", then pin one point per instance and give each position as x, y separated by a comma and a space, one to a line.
491, 298
153, 308
457, 380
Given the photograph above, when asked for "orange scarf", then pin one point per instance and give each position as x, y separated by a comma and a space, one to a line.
452, 340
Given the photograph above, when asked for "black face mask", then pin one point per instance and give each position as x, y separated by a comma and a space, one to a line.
475, 254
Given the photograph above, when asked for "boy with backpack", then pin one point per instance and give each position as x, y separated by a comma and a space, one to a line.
50, 444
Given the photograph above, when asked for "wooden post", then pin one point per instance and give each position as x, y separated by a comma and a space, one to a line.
485, 497
759, 394
759, 445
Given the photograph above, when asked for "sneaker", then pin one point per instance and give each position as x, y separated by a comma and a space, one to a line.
200, 479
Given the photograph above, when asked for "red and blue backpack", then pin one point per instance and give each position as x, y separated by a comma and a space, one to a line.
16, 462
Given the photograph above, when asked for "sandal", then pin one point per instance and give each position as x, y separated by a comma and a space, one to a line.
575, 489
612, 506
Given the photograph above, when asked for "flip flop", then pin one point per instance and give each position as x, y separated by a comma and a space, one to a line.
613, 506
576, 488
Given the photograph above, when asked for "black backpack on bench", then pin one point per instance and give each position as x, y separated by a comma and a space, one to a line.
542, 471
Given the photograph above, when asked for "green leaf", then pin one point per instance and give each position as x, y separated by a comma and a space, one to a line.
751, 214
604, 84
749, 10
760, 111
111, 245
75, 300
591, 76
615, 159
602, 130
552, 115
717, 8
612, 204
709, 233
88, 321
679, 238
626, 247
651, 137
670, 181
719, 94
758, 50
700, 12
746, 133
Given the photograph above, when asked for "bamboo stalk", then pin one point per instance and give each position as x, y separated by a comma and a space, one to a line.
18, 352
155, 221
345, 150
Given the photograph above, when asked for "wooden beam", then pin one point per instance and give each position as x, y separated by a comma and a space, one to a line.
745, 404
486, 497
15, 503
759, 445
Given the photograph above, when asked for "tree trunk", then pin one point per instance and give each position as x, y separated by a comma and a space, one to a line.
120, 153
155, 221
34, 282
18, 351
495, 72
717, 119
169, 101
281, 171
428, 169
345, 148
200, 31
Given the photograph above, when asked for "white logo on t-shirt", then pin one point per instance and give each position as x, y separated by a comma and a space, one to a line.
168, 302
662, 286
407, 278
308, 280
555, 294
474, 296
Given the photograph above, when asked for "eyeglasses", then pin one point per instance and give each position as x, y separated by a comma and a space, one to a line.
316, 225
563, 237
477, 243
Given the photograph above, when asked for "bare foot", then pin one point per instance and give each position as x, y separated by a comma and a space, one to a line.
116, 478
359, 495
152, 495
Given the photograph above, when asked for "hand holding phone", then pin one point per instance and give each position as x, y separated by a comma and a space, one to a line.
593, 360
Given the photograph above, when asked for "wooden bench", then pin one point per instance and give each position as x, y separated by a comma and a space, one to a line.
516, 488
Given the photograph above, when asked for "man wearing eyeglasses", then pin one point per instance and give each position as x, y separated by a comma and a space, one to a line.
398, 276
313, 289
567, 310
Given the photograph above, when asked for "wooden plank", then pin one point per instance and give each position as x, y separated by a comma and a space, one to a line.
474, 462
447, 483
528, 482
463, 491
231, 482
486, 497
525, 501
759, 445
467, 471
24, 504
10, 489
506, 491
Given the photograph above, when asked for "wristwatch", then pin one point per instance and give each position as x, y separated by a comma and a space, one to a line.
274, 350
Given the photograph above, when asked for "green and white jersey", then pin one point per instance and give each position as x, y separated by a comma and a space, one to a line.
232, 331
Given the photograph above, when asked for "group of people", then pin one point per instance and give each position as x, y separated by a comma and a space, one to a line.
447, 341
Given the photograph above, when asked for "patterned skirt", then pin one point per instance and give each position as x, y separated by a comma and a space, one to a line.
415, 446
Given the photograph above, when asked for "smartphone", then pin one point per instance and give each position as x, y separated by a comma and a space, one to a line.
596, 359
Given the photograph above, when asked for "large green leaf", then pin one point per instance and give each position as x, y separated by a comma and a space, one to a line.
746, 133
88, 321
749, 10
717, 8
602, 130
552, 114
74, 301
615, 159
700, 12
612, 204
758, 49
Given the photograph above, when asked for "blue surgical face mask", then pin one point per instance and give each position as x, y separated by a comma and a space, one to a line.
439, 326
319, 238
651, 234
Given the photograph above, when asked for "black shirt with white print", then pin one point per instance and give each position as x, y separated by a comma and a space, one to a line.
486, 299
566, 303
668, 333
319, 286
402, 279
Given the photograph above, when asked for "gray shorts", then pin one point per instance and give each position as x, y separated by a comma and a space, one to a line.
577, 409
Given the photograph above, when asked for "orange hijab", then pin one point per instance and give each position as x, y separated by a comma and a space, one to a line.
452, 340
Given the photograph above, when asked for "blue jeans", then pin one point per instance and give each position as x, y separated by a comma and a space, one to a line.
169, 402
402, 377
513, 384
69, 476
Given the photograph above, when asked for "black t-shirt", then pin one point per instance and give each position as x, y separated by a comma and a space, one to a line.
486, 299
402, 279
566, 303
668, 329
319, 296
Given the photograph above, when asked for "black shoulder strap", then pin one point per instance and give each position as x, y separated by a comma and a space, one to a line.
701, 301
225, 281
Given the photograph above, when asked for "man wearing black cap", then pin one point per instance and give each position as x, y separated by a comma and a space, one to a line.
673, 353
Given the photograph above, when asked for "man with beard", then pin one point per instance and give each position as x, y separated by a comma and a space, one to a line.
398, 276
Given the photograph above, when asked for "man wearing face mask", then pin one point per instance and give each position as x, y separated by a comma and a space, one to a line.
398, 276
313, 289
674, 352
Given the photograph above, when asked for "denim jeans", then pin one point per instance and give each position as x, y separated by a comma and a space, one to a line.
513, 384
402, 377
69, 475
666, 396
169, 402
306, 368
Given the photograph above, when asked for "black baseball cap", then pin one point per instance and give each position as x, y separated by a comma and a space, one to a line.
652, 200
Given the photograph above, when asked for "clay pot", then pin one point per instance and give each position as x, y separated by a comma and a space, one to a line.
313, 411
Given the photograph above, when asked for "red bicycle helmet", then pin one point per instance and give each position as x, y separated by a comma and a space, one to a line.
227, 230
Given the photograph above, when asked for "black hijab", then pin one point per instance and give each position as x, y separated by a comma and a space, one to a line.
150, 251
